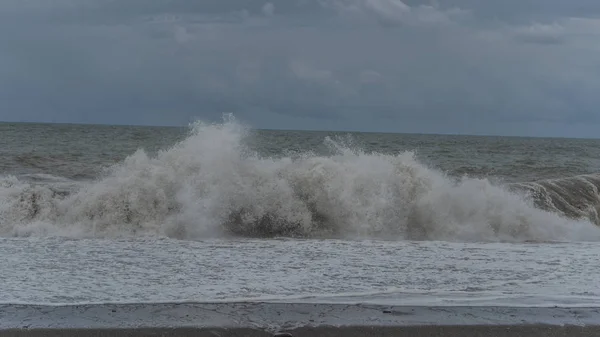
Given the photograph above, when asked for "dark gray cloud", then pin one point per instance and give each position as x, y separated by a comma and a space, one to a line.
459, 66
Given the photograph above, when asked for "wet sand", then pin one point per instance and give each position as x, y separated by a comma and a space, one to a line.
266, 319
430, 331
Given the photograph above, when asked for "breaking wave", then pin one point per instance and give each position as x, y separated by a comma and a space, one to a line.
212, 185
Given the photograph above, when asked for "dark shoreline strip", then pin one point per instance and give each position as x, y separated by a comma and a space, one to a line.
362, 331
300, 319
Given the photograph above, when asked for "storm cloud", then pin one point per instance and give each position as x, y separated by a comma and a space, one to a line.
527, 67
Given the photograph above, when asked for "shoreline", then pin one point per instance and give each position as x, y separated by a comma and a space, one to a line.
358, 331
299, 319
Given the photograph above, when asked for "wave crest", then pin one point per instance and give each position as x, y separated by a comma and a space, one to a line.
210, 185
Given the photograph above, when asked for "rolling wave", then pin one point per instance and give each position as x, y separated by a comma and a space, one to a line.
574, 197
212, 185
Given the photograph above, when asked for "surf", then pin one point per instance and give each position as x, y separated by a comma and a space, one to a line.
212, 184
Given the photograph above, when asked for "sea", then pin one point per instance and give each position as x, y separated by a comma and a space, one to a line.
221, 212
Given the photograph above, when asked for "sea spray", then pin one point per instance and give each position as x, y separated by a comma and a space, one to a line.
212, 185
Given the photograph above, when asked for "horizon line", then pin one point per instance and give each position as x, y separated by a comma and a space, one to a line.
301, 130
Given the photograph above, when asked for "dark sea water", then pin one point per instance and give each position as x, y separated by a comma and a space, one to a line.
81, 151
219, 212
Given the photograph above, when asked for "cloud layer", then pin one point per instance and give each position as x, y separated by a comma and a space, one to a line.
526, 67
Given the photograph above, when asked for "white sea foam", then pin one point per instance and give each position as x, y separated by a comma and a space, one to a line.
61, 271
211, 185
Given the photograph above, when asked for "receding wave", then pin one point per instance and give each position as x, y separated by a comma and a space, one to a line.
212, 185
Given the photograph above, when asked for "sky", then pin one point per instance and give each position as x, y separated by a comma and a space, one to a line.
510, 67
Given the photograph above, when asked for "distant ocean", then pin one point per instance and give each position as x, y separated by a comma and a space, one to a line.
220, 212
